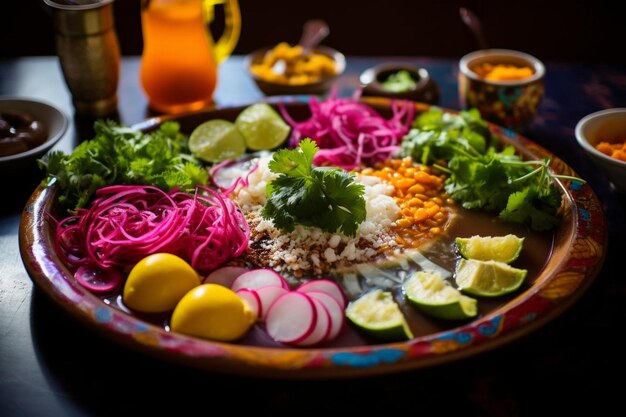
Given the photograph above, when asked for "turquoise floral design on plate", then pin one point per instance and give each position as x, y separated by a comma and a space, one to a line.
367, 359
103, 315
584, 214
490, 328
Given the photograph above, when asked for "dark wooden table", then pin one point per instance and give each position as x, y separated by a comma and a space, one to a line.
52, 365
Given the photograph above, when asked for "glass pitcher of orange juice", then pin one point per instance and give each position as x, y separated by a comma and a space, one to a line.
179, 60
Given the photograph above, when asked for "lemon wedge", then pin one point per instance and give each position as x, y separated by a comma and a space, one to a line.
262, 127
214, 312
158, 282
377, 314
487, 248
433, 295
488, 278
216, 140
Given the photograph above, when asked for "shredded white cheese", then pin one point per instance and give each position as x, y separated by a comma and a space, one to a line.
309, 250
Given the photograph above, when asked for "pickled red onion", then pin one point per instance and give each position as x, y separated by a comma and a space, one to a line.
125, 223
350, 133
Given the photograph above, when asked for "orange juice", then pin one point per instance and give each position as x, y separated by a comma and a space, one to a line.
178, 67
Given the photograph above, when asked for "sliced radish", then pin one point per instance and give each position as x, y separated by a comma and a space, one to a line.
324, 285
267, 296
98, 280
225, 275
251, 297
337, 316
322, 326
258, 278
291, 318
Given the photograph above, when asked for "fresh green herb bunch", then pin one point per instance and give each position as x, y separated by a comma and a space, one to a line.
480, 175
121, 155
324, 197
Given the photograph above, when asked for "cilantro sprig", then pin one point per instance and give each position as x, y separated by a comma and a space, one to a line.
121, 155
323, 197
480, 176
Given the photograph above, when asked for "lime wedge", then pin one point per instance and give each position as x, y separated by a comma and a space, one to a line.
486, 248
488, 278
261, 127
216, 140
433, 295
378, 315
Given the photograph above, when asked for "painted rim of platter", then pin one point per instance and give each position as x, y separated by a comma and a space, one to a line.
539, 304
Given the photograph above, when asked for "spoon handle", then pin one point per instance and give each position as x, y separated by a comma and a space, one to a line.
312, 34
473, 23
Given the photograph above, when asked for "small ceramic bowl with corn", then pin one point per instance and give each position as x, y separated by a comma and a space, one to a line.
290, 70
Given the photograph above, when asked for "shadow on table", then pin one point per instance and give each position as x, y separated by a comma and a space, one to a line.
17, 186
560, 367
102, 378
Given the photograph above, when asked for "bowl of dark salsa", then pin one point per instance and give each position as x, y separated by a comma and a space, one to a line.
28, 129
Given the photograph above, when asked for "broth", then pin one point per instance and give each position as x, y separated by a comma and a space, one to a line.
537, 250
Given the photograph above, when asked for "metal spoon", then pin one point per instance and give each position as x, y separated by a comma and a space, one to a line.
474, 25
313, 32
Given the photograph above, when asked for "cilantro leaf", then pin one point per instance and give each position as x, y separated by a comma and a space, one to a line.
297, 162
522, 207
340, 192
480, 176
440, 136
121, 155
327, 198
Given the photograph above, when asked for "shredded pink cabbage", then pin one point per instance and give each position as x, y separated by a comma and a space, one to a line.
126, 223
350, 133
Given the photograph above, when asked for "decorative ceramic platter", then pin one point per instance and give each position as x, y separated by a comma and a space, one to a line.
561, 266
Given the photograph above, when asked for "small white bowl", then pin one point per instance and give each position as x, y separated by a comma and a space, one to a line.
604, 126
54, 119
